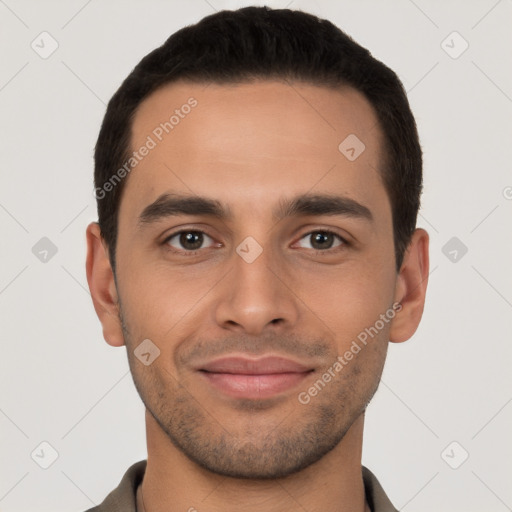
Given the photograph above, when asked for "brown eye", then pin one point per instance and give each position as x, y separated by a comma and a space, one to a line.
323, 240
187, 240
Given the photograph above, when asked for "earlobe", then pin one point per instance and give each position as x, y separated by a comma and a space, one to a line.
411, 287
100, 278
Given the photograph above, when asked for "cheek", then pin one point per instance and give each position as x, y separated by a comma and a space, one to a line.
159, 302
347, 299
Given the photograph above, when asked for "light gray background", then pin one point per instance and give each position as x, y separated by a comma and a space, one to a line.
61, 383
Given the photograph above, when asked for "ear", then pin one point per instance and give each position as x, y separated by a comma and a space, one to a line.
102, 286
411, 287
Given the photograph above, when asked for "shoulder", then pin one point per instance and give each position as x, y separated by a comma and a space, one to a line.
375, 495
123, 497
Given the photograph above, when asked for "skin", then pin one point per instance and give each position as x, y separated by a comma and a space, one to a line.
250, 146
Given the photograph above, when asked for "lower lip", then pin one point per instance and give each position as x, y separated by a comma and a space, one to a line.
254, 386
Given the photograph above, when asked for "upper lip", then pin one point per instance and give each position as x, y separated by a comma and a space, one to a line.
263, 366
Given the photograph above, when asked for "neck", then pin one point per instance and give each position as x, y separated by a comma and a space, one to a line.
332, 484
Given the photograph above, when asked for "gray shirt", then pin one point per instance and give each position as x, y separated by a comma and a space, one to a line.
123, 497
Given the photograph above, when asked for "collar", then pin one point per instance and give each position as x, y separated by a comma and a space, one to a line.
123, 497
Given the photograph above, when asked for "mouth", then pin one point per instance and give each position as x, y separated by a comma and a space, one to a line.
240, 377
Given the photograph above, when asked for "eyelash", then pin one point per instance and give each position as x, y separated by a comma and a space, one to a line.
344, 244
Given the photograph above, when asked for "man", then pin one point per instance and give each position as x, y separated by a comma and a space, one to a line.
258, 180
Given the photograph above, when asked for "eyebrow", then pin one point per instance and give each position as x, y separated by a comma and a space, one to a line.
168, 205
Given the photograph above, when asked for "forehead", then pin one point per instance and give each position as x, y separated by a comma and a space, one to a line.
253, 143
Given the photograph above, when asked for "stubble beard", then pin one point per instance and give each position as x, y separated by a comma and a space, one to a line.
298, 436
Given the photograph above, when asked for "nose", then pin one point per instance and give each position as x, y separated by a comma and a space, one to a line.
256, 296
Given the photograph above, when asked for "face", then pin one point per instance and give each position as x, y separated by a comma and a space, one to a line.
253, 254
